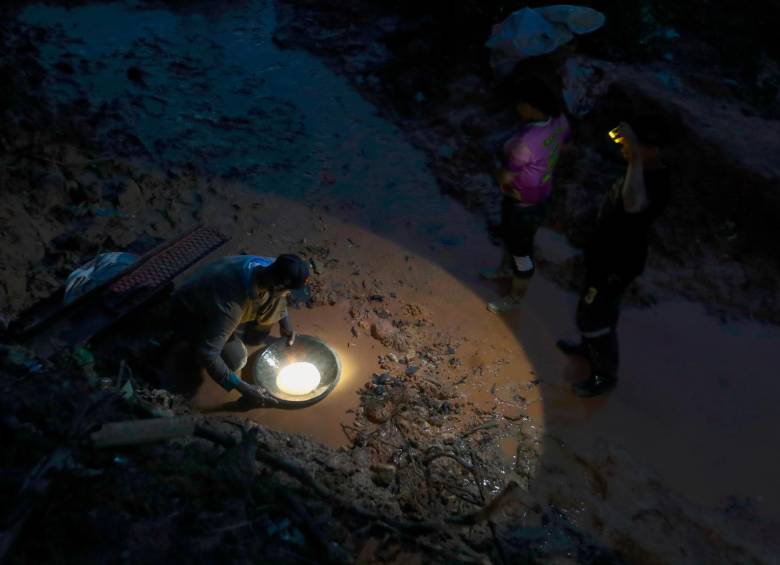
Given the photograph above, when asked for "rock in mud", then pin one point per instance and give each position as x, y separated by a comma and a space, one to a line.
131, 200
89, 187
383, 474
378, 410
383, 379
48, 190
51, 182
436, 420
71, 156
383, 331
448, 438
398, 392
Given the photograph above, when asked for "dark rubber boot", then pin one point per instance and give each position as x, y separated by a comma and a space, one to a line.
603, 357
572, 348
594, 385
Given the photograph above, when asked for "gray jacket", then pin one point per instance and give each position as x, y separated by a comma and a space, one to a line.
217, 298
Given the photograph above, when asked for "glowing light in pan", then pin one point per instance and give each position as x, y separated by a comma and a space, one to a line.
297, 379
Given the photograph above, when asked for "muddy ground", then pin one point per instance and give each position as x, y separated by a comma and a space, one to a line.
440, 409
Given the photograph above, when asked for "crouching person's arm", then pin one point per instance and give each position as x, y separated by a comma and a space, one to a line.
210, 355
286, 330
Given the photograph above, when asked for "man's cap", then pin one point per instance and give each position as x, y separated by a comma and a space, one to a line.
290, 271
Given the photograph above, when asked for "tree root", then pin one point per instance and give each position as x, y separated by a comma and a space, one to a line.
265, 455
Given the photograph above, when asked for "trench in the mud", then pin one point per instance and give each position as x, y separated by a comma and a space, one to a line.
216, 91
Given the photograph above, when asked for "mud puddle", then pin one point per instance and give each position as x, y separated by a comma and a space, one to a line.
400, 280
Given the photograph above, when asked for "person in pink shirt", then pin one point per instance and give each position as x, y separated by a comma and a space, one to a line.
526, 182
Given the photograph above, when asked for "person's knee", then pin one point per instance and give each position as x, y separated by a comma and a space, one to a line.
234, 354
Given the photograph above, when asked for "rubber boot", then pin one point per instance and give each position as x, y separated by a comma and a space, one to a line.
515, 297
603, 355
503, 271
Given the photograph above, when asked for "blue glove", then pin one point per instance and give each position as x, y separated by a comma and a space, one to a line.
232, 382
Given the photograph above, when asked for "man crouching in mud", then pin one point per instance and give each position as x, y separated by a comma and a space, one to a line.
617, 251
232, 302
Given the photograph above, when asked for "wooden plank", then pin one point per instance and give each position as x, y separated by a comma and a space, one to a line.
137, 432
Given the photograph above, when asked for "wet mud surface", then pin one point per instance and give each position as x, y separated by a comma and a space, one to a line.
441, 402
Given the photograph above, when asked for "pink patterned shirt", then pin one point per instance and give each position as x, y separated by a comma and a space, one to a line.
533, 153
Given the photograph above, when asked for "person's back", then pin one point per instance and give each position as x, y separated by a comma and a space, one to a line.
619, 242
222, 287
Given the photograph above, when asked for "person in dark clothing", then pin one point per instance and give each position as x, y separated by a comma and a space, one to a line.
526, 181
617, 251
232, 302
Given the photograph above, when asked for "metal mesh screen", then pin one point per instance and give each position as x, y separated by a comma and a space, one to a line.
171, 261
